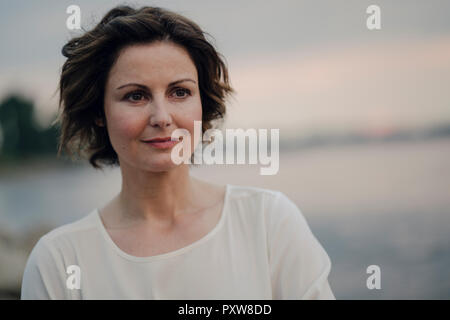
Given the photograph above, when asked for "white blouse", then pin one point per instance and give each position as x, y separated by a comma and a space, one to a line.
261, 248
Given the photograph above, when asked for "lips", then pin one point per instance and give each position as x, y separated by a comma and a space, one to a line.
161, 139
162, 143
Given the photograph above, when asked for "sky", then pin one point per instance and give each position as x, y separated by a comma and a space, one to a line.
300, 66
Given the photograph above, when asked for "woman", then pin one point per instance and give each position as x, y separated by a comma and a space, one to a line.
137, 76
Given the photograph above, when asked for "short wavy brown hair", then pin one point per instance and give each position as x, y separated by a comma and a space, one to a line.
91, 56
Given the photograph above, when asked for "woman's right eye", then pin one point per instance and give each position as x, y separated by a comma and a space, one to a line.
134, 96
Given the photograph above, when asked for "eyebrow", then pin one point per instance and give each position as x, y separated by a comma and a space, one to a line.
146, 88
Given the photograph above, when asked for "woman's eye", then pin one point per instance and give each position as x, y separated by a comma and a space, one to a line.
181, 92
134, 96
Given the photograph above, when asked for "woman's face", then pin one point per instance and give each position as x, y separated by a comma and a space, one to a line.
152, 89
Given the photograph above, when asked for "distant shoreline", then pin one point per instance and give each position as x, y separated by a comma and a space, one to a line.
37, 163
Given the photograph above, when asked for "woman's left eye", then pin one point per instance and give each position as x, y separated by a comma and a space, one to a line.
181, 92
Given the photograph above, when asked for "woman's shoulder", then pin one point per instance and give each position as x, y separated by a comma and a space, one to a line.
275, 205
44, 276
66, 234
260, 199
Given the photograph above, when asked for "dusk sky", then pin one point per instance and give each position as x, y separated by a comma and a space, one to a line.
296, 65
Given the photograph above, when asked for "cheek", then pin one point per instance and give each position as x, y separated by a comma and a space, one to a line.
125, 125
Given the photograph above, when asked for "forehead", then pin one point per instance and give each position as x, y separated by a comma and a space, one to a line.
155, 62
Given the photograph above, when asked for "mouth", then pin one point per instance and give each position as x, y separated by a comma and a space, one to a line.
165, 143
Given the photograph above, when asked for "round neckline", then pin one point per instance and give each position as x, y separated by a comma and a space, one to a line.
169, 254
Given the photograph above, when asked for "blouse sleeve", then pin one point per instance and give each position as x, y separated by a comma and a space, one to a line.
299, 266
43, 277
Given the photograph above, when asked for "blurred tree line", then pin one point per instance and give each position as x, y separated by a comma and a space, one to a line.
21, 136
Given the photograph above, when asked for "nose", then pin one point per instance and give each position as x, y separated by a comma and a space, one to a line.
159, 115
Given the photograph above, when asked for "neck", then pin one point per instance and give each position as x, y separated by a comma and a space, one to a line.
156, 196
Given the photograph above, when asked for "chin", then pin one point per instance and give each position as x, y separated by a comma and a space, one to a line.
160, 166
